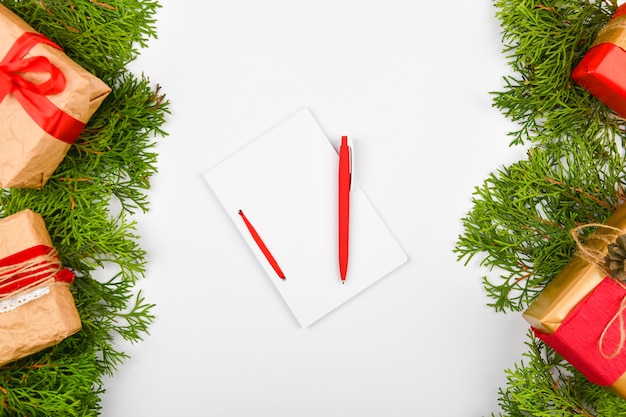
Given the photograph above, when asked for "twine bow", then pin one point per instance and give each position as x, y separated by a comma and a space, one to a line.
32, 96
612, 238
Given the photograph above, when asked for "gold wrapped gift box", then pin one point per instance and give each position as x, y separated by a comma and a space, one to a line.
573, 283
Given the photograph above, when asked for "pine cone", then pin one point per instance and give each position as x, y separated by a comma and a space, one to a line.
616, 258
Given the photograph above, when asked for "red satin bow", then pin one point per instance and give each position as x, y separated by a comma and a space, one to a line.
31, 96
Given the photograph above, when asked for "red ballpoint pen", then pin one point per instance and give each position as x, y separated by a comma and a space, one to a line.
345, 180
262, 246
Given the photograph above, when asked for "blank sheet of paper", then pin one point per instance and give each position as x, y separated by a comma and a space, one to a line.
285, 182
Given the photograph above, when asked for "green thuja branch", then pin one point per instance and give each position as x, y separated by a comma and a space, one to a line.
88, 205
103, 36
543, 41
545, 385
575, 173
522, 216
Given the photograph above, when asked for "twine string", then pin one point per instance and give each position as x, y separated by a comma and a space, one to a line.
591, 254
38, 271
622, 332
596, 256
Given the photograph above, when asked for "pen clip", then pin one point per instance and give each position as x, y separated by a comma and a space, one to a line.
350, 161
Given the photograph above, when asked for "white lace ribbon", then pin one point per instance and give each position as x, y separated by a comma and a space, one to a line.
10, 304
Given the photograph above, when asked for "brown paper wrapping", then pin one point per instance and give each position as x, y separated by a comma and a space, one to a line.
38, 324
42, 322
29, 155
572, 284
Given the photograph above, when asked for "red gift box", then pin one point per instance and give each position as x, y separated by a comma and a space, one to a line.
602, 71
591, 337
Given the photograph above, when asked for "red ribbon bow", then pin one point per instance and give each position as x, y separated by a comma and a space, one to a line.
31, 96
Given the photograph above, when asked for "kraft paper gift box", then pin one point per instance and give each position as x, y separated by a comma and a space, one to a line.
37, 309
573, 311
602, 71
45, 101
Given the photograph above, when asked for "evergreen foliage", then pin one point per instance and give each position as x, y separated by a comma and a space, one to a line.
88, 206
574, 174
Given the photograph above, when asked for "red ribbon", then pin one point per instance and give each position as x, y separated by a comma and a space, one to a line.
18, 280
31, 96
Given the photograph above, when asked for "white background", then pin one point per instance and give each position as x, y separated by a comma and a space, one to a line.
409, 82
